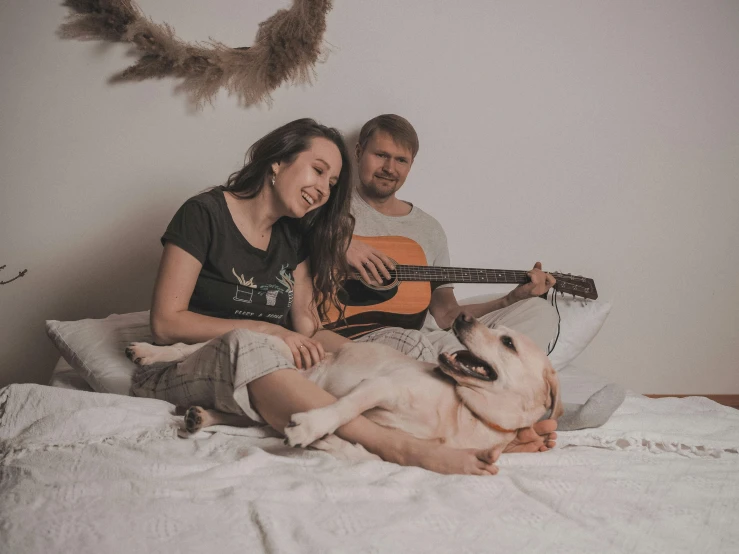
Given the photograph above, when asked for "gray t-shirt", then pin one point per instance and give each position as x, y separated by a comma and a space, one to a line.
417, 225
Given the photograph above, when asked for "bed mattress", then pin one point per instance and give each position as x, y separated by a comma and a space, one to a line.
88, 472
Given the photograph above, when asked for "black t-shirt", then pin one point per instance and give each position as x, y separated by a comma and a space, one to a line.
237, 280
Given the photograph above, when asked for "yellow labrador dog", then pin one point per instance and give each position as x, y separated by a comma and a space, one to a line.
474, 398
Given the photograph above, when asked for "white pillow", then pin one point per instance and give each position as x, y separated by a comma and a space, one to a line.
580, 321
95, 348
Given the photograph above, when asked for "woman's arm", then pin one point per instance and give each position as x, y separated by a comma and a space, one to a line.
304, 316
171, 321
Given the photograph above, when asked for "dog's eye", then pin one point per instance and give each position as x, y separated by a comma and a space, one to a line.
508, 342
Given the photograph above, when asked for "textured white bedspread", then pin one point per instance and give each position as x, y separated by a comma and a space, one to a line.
86, 472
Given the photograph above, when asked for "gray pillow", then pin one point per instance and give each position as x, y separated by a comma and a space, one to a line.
95, 348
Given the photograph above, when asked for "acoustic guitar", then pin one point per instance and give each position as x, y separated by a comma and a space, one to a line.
403, 300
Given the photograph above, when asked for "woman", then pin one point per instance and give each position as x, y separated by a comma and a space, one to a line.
262, 256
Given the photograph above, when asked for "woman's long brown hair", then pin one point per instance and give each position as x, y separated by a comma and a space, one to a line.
326, 230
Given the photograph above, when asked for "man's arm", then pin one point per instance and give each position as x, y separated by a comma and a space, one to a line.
445, 308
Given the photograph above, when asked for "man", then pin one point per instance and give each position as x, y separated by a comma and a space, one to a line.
387, 147
385, 153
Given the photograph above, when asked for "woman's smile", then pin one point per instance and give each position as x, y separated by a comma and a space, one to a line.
308, 198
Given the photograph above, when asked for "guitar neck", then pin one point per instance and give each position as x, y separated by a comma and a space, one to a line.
456, 274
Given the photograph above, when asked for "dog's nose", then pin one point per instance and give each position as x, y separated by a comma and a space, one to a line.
464, 318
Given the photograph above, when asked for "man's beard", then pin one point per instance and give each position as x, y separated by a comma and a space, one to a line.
379, 192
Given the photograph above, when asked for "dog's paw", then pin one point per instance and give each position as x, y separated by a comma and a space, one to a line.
143, 353
307, 427
194, 418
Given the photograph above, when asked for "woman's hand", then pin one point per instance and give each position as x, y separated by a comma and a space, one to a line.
306, 351
539, 283
365, 258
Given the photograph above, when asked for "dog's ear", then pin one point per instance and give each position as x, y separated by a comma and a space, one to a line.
552, 380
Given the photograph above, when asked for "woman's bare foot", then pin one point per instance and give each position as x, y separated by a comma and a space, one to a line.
540, 437
197, 418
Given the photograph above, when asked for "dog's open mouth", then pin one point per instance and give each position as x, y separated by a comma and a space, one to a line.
466, 363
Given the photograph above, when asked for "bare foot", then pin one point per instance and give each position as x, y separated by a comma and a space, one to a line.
197, 418
538, 438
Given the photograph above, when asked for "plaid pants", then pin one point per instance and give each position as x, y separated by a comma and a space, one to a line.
216, 376
534, 317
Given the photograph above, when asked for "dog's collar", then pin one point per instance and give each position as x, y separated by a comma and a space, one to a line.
498, 428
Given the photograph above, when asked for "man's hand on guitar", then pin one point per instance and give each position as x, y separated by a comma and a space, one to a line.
369, 262
539, 283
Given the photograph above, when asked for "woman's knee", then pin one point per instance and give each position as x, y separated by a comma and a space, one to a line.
241, 339
238, 336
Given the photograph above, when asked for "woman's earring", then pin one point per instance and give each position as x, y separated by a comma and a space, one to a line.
273, 179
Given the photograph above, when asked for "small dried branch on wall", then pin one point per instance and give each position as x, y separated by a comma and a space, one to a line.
20, 274
286, 49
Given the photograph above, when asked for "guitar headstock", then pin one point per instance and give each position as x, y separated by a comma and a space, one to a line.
574, 284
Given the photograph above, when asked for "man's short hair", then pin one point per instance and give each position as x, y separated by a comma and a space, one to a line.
397, 127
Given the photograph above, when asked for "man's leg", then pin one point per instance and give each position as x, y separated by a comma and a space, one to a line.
534, 317
410, 342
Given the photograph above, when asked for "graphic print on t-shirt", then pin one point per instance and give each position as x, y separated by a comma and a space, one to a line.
246, 289
287, 280
286, 284
246, 292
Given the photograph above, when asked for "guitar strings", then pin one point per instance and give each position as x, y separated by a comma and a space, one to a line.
475, 275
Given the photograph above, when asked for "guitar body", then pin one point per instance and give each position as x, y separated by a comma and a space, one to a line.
404, 300
395, 304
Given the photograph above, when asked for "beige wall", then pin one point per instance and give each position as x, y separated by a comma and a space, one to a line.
599, 137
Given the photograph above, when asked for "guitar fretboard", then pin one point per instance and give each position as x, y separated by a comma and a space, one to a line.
456, 274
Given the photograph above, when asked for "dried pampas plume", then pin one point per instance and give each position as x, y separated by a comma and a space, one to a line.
286, 48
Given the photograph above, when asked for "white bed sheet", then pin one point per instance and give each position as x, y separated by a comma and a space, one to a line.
87, 472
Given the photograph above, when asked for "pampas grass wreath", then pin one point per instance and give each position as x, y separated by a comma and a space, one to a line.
286, 48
